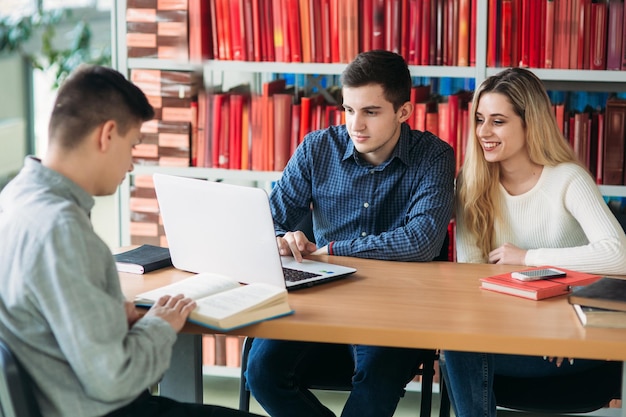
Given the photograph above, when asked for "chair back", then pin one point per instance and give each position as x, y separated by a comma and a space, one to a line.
16, 392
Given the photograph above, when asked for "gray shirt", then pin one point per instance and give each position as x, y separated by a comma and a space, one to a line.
61, 305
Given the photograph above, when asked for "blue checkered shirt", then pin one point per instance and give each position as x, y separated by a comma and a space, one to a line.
399, 210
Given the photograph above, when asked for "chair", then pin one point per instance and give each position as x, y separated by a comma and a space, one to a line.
336, 375
580, 393
16, 394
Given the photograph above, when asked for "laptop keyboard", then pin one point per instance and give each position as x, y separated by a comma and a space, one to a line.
295, 275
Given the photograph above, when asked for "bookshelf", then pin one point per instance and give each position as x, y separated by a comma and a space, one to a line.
555, 79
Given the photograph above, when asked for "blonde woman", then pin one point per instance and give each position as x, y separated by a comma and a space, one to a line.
523, 198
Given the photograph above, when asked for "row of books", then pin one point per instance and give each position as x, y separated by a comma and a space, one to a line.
425, 32
568, 34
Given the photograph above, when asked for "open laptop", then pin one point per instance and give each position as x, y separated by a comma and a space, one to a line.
228, 229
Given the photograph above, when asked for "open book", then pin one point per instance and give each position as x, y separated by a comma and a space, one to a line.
223, 303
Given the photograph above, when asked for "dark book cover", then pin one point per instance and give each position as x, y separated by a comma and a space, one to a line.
607, 293
145, 258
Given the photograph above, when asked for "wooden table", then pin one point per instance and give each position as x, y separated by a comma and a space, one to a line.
435, 305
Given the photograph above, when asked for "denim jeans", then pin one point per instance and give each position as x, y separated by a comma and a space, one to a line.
279, 372
469, 377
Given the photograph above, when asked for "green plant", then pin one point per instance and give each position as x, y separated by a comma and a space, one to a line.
17, 35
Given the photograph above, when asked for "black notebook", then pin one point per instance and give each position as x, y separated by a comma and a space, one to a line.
608, 293
143, 259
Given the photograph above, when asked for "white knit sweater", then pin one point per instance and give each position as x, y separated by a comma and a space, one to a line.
563, 221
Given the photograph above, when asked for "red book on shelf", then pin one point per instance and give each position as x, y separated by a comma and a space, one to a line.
574, 33
200, 42
525, 34
549, 24
540, 289
278, 31
334, 31
255, 34
392, 25
215, 34
248, 29
614, 41
378, 24
305, 28
235, 130
443, 126
267, 31
256, 132
404, 36
541, 24
472, 33
464, 33
305, 117
292, 18
585, 17
534, 39
366, 18
352, 38
235, 14
413, 34
224, 154
600, 151
245, 135
327, 54
295, 128
424, 34
282, 130
226, 39
597, 48
437, 30
420, 94
506, 25
217, 103
492, 33
315, 18
432, 118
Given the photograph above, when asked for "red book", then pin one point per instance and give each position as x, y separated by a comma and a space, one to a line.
282, 130
378, 24
585, 16
256, 33
215, 34
413, 34
334, 31
492, 34
573, 33
352, 38
256, 132
437, 16
600, 151
267, 31
472, 33
464, 33
506, 24
525, 34
235, 130
236, 30
248, 29
292, 17
295, 127
305, 27
305, 117
549, 23
327, 54
200, 42
535, 34
540, 289
614, 42
404, 35
279, 32
366, 18
245, 135
315, 19
392, 25
217, 104
597, 48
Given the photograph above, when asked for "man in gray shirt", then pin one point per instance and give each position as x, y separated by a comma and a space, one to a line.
62, 311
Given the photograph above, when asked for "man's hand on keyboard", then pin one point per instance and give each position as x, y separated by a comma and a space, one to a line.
295, 244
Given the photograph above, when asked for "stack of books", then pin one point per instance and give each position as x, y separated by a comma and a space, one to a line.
601, 304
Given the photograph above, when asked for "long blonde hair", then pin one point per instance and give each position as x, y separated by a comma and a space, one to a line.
478, 197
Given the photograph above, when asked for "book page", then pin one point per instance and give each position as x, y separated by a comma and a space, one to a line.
242, 299
194, 287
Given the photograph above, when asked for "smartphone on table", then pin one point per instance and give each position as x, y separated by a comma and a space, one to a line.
537, 274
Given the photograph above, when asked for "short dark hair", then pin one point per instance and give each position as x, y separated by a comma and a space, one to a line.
90, 96
385, 68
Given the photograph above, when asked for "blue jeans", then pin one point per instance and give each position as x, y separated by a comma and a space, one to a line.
279, 373
469, 377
